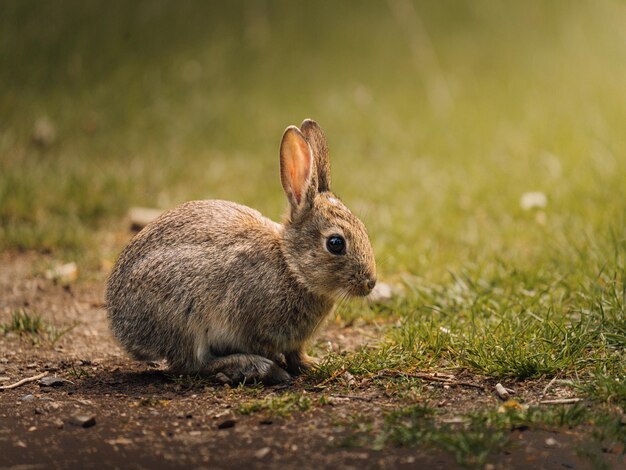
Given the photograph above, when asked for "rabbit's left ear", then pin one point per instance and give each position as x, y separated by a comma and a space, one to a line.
297, 170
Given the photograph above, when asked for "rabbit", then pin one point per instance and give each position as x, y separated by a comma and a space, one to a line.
216, 288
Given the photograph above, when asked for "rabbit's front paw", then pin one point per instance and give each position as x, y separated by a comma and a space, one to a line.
299, 362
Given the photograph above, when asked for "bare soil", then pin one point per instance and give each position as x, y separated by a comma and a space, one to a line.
146, 418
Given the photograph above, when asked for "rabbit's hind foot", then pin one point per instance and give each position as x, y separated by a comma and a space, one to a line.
247, 368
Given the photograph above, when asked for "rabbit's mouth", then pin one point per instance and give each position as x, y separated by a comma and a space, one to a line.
363, 288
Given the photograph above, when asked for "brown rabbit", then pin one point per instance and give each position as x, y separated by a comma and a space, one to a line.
215, 287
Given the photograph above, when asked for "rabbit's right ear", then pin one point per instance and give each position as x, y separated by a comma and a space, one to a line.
316, 138
297, 170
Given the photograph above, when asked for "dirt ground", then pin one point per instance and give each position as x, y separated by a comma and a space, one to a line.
145, 418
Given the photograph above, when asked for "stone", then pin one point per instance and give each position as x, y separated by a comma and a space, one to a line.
551, 442
381, 292
120, 441
53, 381
502, 392
83, 421
262, 452
63, 274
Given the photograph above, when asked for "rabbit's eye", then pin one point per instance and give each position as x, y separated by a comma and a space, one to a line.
336, 245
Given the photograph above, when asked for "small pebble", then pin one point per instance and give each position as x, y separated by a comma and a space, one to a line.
28, 397
52, 381
551, 442
63, 274
502, 392
83, 421
259, 454
381, 292
122, 441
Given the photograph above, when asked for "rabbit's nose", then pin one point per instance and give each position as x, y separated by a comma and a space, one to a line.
370, 283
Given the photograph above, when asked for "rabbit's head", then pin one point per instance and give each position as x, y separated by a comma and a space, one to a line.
325, 245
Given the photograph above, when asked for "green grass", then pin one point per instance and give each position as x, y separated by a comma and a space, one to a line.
475, 439
485, 433
278, 405
32, 325
514, 324
23, 322
438, 122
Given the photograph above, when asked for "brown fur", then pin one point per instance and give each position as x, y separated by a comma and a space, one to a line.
214, 286
316, 138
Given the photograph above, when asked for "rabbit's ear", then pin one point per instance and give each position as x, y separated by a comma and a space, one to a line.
297, 170
317, 140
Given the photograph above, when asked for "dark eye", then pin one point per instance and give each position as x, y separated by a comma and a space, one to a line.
336, 245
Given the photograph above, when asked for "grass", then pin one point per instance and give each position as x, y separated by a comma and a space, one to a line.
513, 325
475, 439
435, 136
480, 435
25, 323
278, 405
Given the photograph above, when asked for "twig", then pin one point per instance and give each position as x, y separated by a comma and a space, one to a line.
547, 387
561, 401
23, 381
336, 374
351, 397
432, 378
444, 381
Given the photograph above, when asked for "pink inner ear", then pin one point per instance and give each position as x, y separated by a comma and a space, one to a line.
298, 165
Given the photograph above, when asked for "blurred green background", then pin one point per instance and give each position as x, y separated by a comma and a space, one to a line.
439, 115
